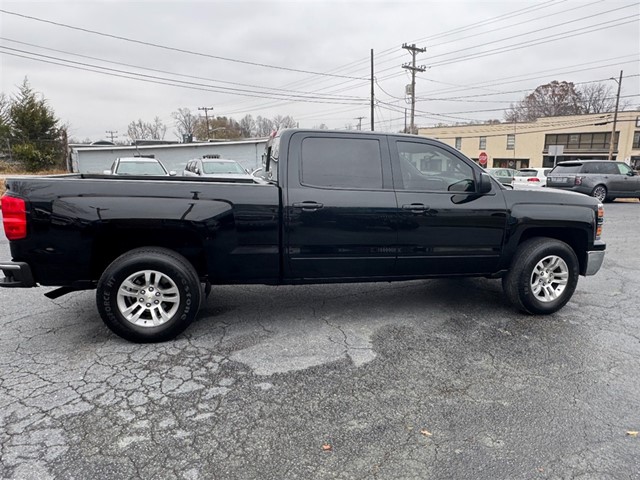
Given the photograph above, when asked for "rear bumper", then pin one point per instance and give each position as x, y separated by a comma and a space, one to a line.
16, 275
573, 188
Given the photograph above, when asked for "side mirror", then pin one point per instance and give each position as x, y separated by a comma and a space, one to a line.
484, 183
173, 173
196, 171
106, 172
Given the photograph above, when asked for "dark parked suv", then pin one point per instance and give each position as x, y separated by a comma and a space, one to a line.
602, 179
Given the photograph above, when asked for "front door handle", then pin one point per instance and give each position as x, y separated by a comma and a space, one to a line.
308, 206
416, 207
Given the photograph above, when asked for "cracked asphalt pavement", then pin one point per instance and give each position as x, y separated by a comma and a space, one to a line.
435, 379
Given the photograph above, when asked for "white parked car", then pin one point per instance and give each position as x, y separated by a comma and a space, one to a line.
528, 178
138, 166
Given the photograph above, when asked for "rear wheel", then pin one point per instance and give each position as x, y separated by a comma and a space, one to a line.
149, 295
543, 276
600, 192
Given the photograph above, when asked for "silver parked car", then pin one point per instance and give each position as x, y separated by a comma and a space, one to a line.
503, 175
220, 168
603, 179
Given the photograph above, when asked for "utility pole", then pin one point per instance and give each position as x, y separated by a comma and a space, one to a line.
414, 52
359, 122
206, 116
615, 116
372, 92
112, 134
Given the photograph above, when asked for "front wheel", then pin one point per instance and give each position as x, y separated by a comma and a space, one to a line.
149, 295
543, 276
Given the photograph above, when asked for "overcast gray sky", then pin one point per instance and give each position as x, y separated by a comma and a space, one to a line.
104, 64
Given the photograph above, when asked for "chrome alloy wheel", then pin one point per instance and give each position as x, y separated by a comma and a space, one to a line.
148, 298
549, 278
600, 193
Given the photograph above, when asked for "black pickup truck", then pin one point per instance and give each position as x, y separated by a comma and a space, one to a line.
331, 207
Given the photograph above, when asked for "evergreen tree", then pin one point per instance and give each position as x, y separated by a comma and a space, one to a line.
36, 137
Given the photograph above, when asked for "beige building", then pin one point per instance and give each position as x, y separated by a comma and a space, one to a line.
520, 145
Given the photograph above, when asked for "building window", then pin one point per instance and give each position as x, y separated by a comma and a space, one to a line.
459, 143
511, 141
482, 144
581, 141
636, 141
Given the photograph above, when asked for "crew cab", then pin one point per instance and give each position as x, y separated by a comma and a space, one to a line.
329, 207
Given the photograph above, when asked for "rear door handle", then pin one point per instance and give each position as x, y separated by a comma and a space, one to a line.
308, 206
416, 207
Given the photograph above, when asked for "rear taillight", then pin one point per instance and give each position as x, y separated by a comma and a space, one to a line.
14, 217
577, 181
533, 179
599, 221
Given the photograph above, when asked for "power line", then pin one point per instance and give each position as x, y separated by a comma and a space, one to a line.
174, 49
289, 91
534, 42
529, 43
173, 82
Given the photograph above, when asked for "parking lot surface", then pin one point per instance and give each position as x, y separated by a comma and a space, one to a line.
426, 379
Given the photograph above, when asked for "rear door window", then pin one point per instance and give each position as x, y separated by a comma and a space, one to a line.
351, 163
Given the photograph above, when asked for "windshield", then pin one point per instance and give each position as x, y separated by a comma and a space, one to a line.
140, 168
222, 167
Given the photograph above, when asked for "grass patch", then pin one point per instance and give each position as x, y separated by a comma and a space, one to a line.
8, 169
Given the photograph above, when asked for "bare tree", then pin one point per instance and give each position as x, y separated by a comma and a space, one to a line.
185, 122
158, 129
139, 130
280, 122
248, 126
264, 126
550, 100
600, 98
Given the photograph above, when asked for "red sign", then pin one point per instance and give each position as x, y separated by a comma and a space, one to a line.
482, 158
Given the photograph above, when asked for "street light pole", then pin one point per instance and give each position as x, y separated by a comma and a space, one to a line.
615, 116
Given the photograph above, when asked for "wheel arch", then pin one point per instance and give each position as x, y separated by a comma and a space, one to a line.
576, 238
114, 242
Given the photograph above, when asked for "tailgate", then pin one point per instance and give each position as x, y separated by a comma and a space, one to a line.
561, 180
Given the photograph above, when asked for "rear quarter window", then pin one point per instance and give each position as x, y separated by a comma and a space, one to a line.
564, 169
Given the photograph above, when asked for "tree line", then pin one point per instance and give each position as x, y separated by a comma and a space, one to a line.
192, 127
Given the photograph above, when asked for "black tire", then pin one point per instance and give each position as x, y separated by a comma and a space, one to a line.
543, 276
599, 192
157, 288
